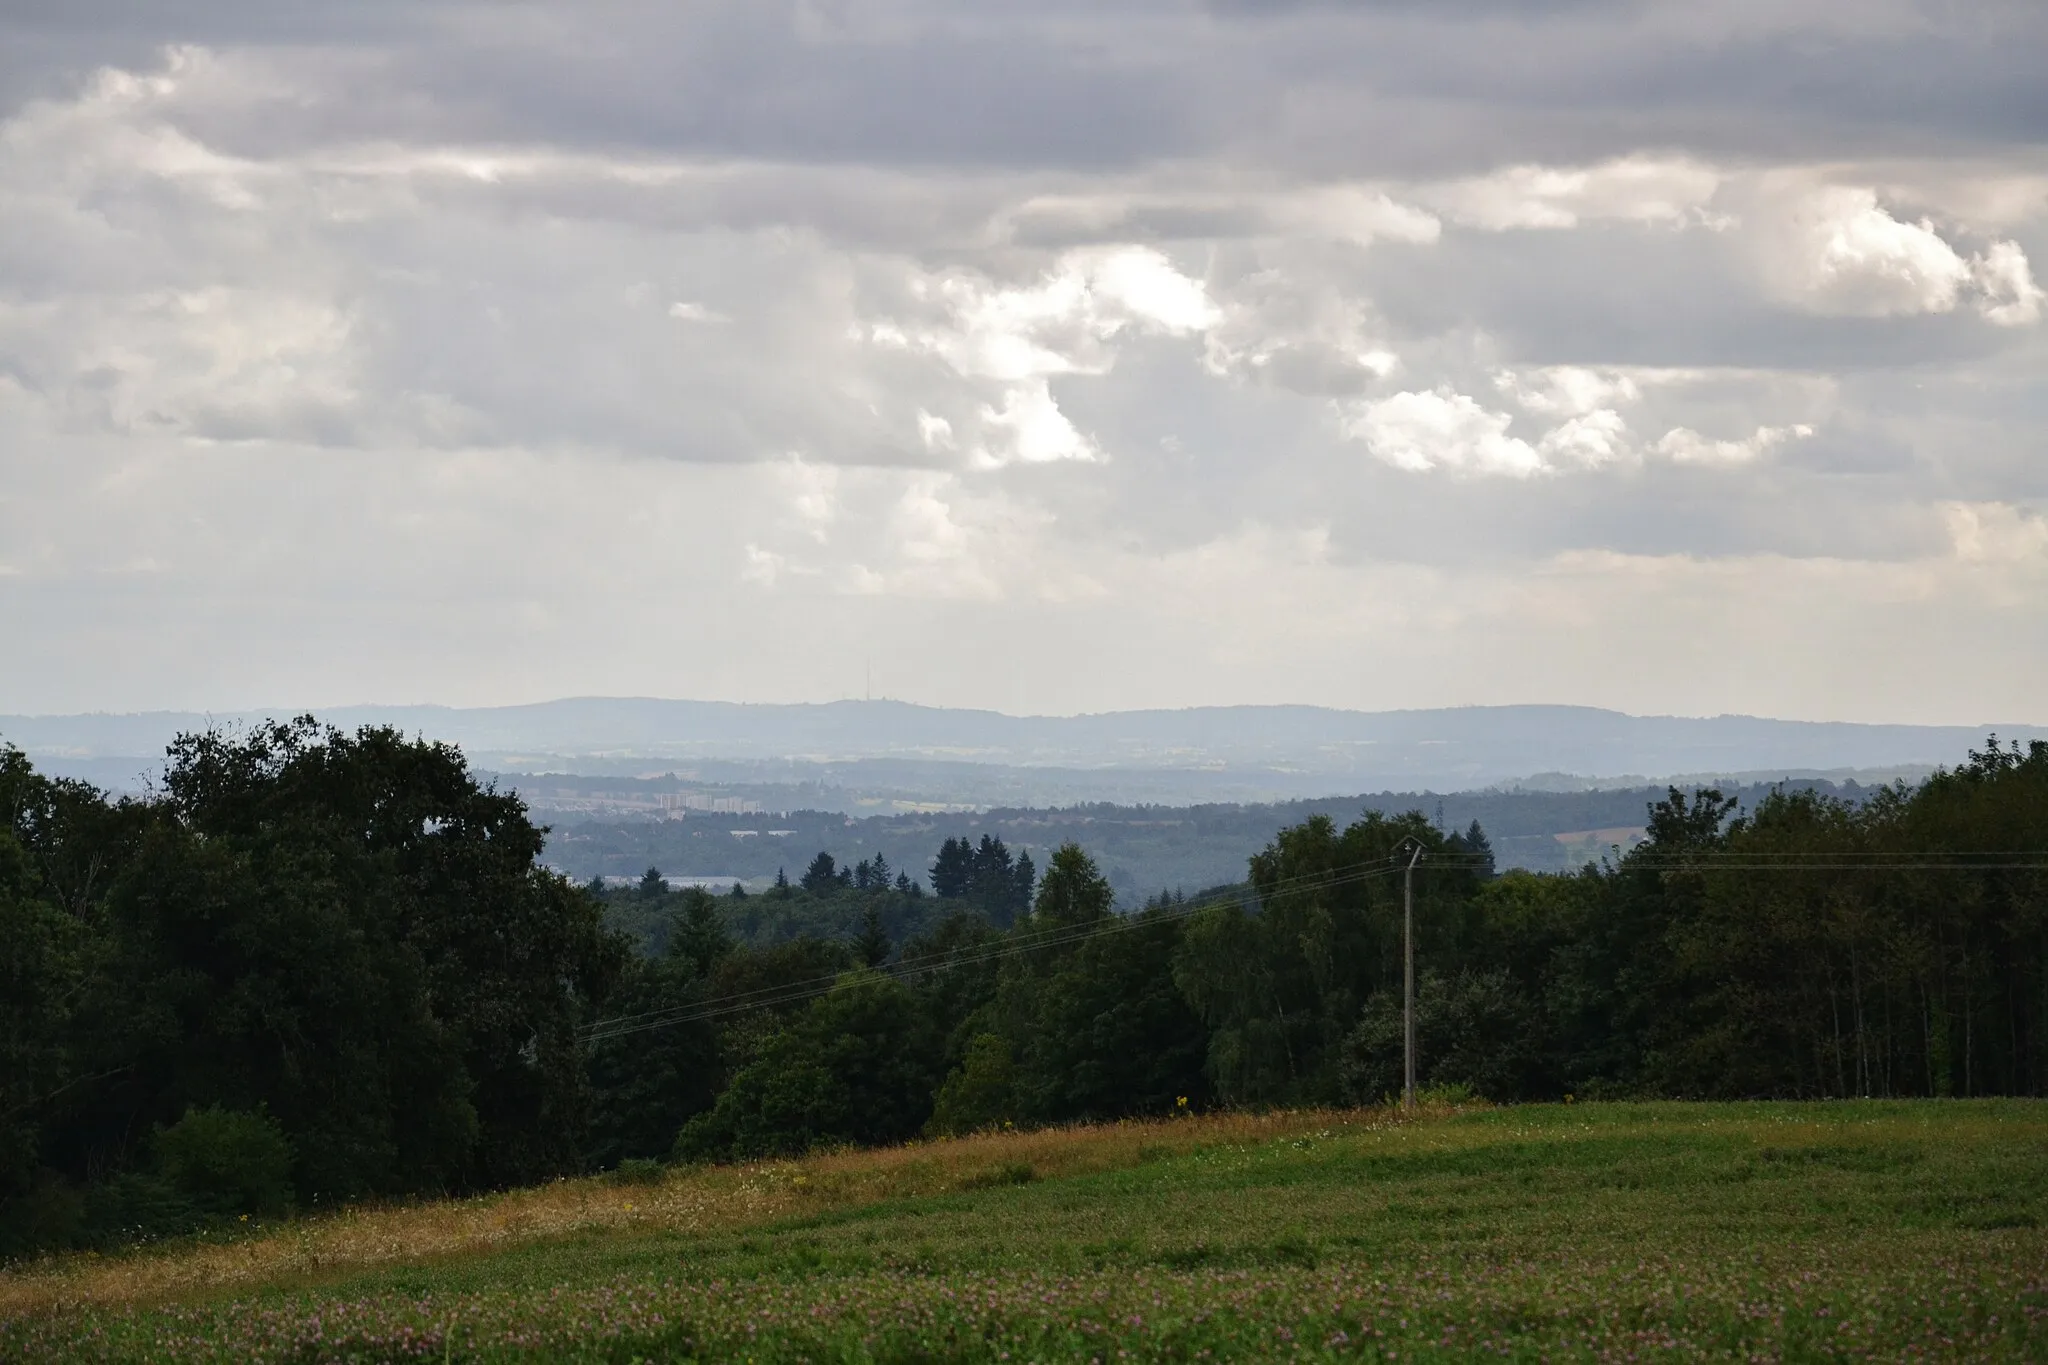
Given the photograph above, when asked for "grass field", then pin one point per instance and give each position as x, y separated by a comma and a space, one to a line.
1765, 1231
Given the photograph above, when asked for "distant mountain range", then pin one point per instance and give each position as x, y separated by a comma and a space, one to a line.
1195, 754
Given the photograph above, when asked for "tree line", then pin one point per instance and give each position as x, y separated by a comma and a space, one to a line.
318, 966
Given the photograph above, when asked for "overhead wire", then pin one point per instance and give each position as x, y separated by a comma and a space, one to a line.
787, 993
1061, 936
791, 992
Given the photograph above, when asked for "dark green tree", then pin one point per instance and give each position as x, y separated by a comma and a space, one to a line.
1074, 891
953, 870
1281, 989
698, 936
821, 878
873, 946
352, 932
858, 1065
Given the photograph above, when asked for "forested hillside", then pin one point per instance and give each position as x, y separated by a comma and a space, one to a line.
320, 966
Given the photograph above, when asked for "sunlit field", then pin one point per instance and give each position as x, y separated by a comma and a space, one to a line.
1795, 1232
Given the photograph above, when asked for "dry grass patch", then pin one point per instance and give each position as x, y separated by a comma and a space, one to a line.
701, 1199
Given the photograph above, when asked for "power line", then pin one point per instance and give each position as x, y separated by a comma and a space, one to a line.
791, 992
787, 993
1049, 937
1676, 865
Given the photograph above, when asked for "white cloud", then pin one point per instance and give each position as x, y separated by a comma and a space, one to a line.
1997, 533
1442, 429
207, 363
923, 535
695, 312
812, 490
1066, 322
1445, 429
1650, 190
2011, 298
935, 431
1588, 439
762, 567
1682, 445
1568, 390
1145, 285
1841, 251
1030, 427
1061, 323
1865, 261
1359, 214
1285, 328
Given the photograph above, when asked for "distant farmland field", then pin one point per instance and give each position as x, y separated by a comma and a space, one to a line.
1614, 1232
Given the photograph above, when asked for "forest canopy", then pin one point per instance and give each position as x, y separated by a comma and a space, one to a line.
317, 966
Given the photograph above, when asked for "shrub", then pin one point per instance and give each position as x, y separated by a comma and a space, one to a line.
981, 1091
227, 1162
49, 1213
1471, 1032
855, 1067
134, 1206
1454, 1093
638, 1170
1009, 1173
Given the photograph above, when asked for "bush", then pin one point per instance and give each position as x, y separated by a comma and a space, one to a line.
638, 1170
227, 1162
1009, 1173
134, 1206
49, 1213
1453, 1094
1472, 1031
981, 1092
855, 1067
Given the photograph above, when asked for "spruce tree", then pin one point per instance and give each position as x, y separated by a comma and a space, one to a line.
822, 876
953, 869
873, 945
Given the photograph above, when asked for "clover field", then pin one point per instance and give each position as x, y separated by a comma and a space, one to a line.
1839, 1231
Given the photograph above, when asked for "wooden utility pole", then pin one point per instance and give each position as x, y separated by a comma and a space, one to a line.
1408, 980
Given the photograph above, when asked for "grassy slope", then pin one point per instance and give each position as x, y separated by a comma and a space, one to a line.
1796, 1231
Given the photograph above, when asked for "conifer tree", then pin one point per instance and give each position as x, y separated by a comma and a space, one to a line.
953, 869
822, 876
873, 946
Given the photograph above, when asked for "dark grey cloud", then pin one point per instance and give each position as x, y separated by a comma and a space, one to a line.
1359, 89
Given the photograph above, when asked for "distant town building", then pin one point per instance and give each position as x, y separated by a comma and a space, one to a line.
675, 804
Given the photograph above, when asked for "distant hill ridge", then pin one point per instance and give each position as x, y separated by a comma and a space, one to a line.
1441, 749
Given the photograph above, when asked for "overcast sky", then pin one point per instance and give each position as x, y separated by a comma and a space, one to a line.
1043, 356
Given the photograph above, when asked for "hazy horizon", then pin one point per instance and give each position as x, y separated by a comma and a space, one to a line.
907, 755
264, 708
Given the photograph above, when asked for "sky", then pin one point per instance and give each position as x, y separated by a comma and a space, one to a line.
1047, 357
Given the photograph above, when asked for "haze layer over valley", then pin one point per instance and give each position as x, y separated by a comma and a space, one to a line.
1168, 800
917, 755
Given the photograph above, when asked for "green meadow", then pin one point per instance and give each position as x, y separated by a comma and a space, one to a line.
1842, 1230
